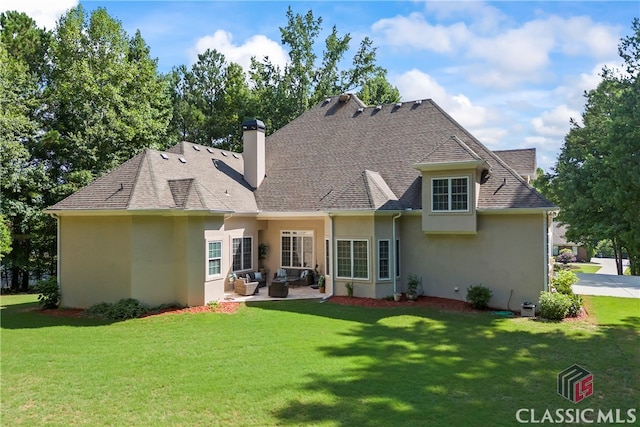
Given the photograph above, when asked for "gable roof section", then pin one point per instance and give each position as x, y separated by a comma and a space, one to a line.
319, 161
185, 177
522, 161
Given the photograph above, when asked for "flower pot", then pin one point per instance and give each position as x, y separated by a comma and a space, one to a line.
321, 289
411, 296
397, 297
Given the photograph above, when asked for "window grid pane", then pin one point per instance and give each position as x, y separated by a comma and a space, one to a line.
440, 192
286, 251
246, 253
237, 254
383, 259
344, 258
360, 259
459, 194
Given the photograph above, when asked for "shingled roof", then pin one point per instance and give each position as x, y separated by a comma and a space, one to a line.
522, 160
185, 177
340, 155
320, 160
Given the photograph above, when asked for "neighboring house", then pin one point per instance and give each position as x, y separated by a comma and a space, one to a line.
560, 242
368, 194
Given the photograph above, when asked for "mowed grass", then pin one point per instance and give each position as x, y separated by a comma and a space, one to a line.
292, 363
585, 268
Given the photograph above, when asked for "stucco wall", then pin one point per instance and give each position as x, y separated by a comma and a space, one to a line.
350, 227
94, 260
507, 255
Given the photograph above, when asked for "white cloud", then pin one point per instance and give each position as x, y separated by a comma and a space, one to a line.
554, 123
45, 12
258, 46
415, 32
414, 84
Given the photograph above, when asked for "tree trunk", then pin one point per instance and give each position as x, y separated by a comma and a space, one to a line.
617, 250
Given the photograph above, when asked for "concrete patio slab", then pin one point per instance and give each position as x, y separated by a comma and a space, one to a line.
607, 285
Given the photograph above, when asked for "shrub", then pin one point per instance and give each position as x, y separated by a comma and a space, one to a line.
124, 309
575, 306
563, 280
479, 296
554, 305
566, 256
349, 287
49, 293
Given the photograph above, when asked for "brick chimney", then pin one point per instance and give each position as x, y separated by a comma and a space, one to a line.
253, 151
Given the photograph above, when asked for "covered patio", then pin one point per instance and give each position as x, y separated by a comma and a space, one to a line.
295, 293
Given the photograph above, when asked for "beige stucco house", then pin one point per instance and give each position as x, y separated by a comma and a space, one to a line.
368, 194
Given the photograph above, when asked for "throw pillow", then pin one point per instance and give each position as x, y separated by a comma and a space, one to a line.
258, 276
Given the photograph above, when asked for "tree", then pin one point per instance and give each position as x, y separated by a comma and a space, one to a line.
209, 101
597, 175
23, 182
284, 94
105, 99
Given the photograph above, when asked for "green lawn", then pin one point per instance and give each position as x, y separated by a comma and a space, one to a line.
585, 268
293, 363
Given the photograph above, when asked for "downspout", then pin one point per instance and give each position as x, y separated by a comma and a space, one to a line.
546, 250
57, 250
330, 260
395, 255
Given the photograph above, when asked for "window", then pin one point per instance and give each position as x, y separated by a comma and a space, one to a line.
353, 259
397, 257
327, 263
242, 253
297, 249
384, 260
450, 194
214, 257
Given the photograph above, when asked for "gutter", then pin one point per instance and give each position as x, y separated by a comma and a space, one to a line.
330, 260
54, 215
395, 255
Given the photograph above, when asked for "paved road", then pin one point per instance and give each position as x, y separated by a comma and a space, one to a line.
607, 282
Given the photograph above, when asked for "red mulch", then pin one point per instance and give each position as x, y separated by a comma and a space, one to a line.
225, 307
434, 302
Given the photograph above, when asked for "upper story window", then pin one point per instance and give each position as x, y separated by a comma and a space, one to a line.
297, 249
450, 194
242, 253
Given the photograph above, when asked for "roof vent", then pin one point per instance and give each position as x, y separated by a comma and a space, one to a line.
164, 156
398, 104
195, 147
419, 101
210, 150
182, 160
327, 100
235, 156
344, 97
223, 153
378, 107
360, 110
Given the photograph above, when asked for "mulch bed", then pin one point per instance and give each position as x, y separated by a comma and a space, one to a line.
228, 307
434, 302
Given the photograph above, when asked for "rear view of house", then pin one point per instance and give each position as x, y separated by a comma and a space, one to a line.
367, 195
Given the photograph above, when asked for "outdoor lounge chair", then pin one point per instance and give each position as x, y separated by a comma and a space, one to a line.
278, 289
242, 287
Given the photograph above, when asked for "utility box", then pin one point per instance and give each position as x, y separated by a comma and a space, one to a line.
528, 310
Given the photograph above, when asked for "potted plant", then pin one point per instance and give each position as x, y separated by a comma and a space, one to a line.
349, 287
412, 287
263, 249
397, 296
321, 286
232, 278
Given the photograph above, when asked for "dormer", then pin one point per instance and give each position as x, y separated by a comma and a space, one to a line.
451, 179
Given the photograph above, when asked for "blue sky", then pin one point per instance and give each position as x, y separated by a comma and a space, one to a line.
512, 73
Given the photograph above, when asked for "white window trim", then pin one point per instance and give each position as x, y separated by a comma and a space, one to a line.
390, 259
351, 257
301, 233
210, 258
396, 260
243, 267
450, 199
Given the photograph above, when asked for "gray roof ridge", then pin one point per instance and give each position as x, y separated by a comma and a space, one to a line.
373, 178
204, 188
493, 156
143, 161
466, 148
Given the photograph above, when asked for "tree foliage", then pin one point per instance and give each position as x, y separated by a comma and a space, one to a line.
284, 94
597, 175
